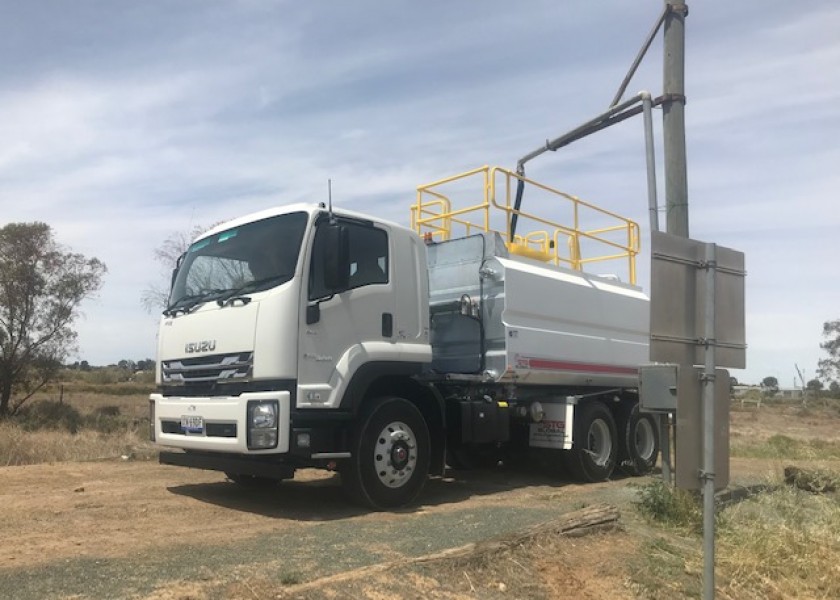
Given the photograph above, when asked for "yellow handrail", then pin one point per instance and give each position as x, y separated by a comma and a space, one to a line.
549, 241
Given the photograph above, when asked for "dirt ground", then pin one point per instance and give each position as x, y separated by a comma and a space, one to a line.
136, 529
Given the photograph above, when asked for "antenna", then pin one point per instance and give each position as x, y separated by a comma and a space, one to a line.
329, 198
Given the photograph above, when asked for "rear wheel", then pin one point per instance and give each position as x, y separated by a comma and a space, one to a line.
639, 441
390, 456
595, 451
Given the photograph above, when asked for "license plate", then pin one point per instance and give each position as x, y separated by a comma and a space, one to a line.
192, 423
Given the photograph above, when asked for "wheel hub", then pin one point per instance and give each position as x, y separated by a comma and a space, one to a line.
598, 442
399, 455
644, 439
395, 454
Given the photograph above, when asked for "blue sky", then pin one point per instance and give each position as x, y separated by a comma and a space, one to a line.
122, 122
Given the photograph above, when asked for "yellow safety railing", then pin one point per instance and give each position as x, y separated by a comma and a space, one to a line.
570, 244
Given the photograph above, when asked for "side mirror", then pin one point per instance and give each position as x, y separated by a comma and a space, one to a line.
175, 270
336, 257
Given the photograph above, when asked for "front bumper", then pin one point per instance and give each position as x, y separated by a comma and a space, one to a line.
225, 420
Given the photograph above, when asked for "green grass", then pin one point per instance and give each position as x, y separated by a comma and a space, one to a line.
291, 578
670, 507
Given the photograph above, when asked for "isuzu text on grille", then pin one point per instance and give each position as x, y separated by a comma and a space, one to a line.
203, 346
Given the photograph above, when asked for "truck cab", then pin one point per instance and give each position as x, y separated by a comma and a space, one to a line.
279, 325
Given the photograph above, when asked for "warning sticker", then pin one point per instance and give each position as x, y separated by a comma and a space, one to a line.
547, 434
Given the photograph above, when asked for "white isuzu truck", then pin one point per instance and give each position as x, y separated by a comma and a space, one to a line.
303, 337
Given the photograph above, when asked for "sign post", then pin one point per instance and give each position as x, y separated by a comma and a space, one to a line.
697, 318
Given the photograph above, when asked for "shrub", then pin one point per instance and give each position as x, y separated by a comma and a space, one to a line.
678, 508
106, 419
49, 414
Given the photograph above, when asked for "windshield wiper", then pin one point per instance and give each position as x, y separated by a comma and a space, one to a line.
185, 304
258, 285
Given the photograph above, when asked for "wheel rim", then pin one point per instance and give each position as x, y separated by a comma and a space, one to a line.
395, 454
644, 439
599, 442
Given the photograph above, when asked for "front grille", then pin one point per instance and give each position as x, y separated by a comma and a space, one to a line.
236, 366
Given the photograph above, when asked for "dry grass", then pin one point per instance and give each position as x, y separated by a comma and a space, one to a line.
778, 544
21, 447
786, 448
784, 544
83, 427
134, 405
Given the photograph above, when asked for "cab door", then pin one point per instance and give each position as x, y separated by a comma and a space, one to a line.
346, 327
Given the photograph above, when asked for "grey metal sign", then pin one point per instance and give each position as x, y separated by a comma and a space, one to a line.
689, 457
677, 302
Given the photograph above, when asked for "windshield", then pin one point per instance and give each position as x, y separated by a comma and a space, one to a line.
248, 258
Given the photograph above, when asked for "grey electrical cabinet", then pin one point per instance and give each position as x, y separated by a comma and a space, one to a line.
658, 388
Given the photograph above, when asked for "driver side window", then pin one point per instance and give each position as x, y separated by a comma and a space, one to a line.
368, 259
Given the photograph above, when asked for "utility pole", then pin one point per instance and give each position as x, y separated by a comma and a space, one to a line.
676, 199
673, 118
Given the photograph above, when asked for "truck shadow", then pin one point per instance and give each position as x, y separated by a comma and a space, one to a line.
322, 499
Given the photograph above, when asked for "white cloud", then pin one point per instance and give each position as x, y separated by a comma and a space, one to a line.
122, 125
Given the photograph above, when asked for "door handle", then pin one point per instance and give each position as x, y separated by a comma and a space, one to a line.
387, 325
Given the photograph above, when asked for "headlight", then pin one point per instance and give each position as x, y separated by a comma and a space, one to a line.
262, 424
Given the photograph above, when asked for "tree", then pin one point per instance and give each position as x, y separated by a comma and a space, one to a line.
127, 365
146, 365
834, 388
829, 368
770, 383
156, 295
42, 285
814, 385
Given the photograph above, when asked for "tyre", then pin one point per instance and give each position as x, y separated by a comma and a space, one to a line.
595, 452
253, 481
390, 456
639, 441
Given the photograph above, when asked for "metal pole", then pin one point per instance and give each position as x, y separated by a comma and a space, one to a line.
638, 60
650, 158
653, 205
708, 474
578, 132
673, 118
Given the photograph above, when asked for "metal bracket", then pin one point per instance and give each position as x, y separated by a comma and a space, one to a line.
667, 98
697, 341
680, 9
707, 342
707, 377
706, 475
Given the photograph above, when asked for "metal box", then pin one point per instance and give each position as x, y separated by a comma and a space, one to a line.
658, 388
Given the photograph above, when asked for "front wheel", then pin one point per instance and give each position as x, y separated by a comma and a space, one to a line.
390, 455
595, 451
